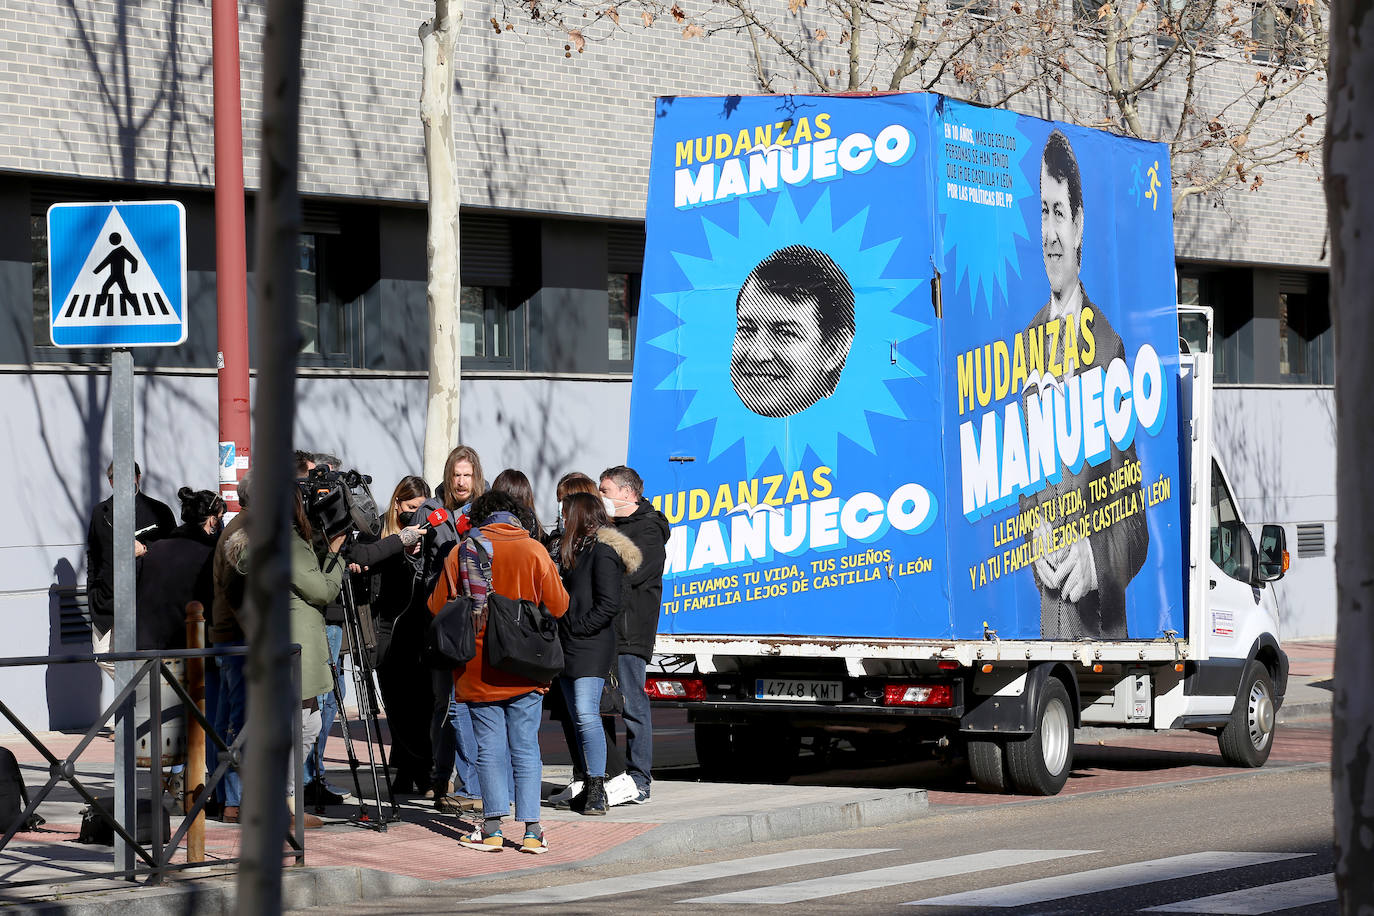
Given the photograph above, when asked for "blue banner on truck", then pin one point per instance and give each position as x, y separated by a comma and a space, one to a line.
875, 396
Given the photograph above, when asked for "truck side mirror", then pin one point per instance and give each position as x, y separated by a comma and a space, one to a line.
1273, 554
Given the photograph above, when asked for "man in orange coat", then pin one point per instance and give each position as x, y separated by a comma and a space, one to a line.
506, 707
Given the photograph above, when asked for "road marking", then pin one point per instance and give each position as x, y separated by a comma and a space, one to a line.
888, 877
1253, 901
1040, 890
629, 884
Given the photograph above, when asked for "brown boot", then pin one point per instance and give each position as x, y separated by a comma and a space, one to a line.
438, 790
231, 814
311, 822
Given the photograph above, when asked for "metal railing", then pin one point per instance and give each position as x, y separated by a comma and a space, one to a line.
158, 854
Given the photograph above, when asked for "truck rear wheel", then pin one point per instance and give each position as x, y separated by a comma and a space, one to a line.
1040, 764
986, 763
1249, 736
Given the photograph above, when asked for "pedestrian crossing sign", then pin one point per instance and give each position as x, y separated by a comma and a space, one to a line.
117, 274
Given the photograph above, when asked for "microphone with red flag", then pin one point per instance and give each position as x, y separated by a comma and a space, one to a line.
436, 518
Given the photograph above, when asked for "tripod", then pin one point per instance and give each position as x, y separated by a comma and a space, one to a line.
368, 708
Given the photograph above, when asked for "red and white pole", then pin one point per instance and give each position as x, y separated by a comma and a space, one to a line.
231, 261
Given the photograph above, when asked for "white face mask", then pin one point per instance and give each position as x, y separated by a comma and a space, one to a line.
609, 505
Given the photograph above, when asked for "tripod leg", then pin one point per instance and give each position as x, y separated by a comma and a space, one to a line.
367, 698
353, 762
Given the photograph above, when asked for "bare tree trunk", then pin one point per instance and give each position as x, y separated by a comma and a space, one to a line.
271, 697
437, 39
1350, 210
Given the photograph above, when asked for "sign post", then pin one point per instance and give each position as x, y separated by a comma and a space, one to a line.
118, 279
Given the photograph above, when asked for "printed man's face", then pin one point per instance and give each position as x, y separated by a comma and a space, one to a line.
1061, 234
781, 362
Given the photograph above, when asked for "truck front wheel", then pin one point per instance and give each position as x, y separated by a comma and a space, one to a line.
1249, 736
1040, 763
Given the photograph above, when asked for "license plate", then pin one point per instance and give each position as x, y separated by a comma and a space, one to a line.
798, 691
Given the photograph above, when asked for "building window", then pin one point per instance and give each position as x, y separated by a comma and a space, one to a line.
981, 9
1306, 340
622, 298
485, 320
327, 321
1275, 31
38, 235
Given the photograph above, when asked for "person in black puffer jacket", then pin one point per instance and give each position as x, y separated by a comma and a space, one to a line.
595, 558
178, 570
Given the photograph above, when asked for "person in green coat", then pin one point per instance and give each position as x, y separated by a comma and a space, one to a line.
315, 582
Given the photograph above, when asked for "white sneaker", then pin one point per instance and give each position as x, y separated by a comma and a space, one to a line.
620, 790
567, 793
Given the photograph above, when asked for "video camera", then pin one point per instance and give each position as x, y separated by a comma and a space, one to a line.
338, 501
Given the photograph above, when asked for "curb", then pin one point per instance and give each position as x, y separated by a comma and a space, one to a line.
785, 823
339, 885
1294, 713
301, 888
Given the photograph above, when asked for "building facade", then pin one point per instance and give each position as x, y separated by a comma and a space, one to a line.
111, 100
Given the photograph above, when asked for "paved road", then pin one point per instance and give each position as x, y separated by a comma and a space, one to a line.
1252, 843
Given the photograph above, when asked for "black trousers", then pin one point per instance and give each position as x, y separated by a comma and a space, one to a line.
408, 695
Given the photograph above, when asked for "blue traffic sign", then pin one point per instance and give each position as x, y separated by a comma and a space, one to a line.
117, 274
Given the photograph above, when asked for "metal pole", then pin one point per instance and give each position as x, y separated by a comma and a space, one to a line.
124, 637
231, 265
195, 734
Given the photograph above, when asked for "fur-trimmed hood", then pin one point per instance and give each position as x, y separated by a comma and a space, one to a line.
630, 555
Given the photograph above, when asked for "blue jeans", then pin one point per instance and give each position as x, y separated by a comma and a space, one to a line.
329, 708
584, 696
230, 712
451, 733
508, 739
639, 725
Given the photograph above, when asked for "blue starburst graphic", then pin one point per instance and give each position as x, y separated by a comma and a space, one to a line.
702, 340
978, 241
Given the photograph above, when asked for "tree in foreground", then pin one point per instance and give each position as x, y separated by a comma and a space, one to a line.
1350, 213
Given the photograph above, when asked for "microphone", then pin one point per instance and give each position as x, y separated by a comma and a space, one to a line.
436, 518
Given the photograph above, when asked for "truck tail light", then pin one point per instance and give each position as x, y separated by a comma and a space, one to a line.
917, 695
675, 688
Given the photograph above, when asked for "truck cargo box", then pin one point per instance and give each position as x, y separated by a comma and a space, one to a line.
906, 368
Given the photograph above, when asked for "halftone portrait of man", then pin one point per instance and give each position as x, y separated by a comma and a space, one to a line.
1083, 585
794, 325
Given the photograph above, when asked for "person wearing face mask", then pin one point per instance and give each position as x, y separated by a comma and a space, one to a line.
178, 570
393, 564
637, 626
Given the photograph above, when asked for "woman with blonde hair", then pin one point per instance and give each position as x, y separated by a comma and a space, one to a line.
393, 565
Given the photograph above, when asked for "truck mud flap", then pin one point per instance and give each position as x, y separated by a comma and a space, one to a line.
1015, 715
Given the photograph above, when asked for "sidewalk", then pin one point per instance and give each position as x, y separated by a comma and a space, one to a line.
346, 863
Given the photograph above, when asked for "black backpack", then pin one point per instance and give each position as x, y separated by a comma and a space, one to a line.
14, 797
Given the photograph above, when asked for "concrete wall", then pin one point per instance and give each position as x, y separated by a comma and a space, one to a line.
1279, 449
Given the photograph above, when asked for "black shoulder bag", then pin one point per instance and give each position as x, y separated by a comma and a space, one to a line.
450, 641
522, 638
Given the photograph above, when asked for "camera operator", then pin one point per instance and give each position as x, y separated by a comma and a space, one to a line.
393, 564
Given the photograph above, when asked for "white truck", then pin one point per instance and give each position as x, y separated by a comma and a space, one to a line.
1013, 704
917, 488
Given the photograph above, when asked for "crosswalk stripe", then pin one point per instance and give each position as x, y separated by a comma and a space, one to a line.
1097, 880
888, 877
1253, 901
629, 884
